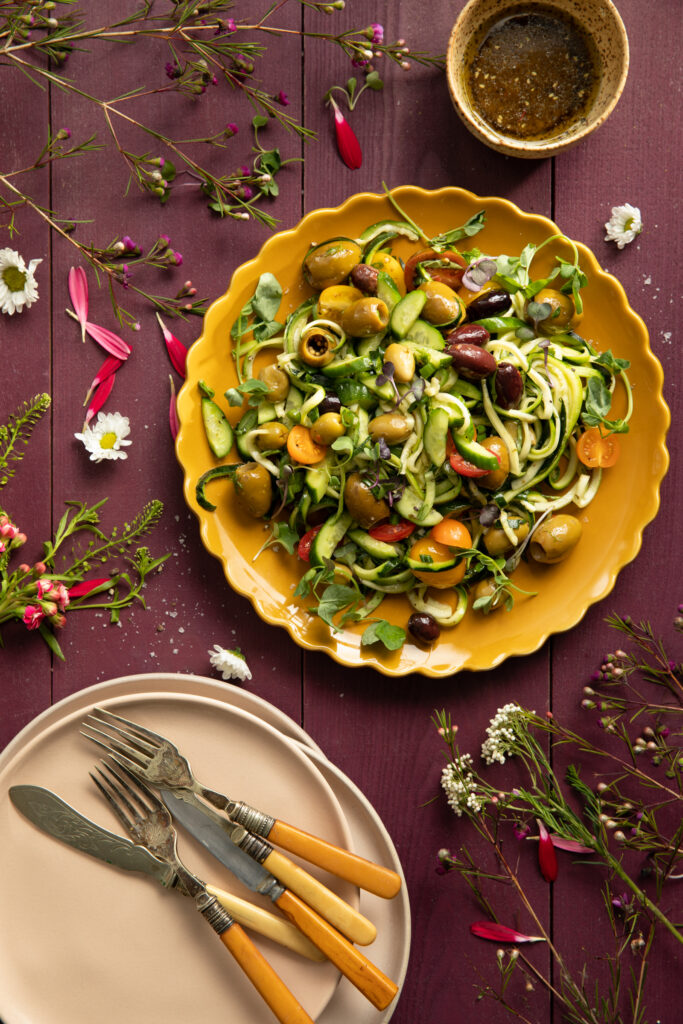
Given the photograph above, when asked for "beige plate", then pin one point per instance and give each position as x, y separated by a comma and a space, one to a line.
80, 940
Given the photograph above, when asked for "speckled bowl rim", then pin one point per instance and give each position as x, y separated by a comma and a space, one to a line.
533, 148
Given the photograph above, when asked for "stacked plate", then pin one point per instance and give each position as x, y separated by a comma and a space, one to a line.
81, 940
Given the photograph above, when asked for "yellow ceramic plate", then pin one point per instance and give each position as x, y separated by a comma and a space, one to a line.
627, 500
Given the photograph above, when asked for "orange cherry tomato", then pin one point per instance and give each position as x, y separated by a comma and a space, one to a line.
597, 450
450, 275
438, 553
302, 448
452, 533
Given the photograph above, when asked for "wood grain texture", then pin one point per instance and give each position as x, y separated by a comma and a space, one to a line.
377, 730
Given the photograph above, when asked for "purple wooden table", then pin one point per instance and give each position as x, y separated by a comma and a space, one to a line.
376, 729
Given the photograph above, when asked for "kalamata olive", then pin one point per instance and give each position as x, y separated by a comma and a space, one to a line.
562, 316
276, 381
496, 478
443, 306
391, 426
508, 385
331, 262
364, 278
497, 542
272, 435
330, 403
335, 299
403, 361
362, 504
489, 589
555, 538
491, 303
468, 334
254, 488
423, 627
471, 361
327, 428
365, 317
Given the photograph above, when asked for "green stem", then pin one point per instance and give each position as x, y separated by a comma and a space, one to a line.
645, 900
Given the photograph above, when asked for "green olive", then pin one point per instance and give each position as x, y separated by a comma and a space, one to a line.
361, 503
253, 488
562, 316
272, 435
443, 306
276, 380
317, 346
402, 360
494, 480
327, 428
555, 538
331, 262
486, 589
365, 317
497, 542
334, 300
391, 426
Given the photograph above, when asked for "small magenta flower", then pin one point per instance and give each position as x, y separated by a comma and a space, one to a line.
247, 192
231, 25
347, 143
282, 98
33, 616
376, 33
172, 70
231, 129
177, 259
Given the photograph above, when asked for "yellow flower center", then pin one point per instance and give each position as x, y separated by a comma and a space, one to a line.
108, 440
14, 278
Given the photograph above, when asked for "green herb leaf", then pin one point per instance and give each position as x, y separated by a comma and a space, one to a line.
285, 535
381, 631
267, 297
334, 599
469, 228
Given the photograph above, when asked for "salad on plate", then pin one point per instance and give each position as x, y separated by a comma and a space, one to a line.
417, 426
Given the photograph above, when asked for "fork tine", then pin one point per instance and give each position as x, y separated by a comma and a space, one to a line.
126, 734
135, 758
137, 789
113, 803
140, 730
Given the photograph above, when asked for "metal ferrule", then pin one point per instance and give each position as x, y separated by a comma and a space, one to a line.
255, 847
216, 914
254, 821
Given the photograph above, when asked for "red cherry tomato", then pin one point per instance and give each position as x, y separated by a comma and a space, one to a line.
303, 548
596, 449
392, 531
459, 464
452, 276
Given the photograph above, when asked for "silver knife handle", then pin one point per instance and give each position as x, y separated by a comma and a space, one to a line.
217, 916
250, 818
257, 848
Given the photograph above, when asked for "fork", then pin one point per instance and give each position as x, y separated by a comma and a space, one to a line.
150, 825
155, 759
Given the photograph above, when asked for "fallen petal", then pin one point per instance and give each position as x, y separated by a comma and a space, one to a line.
99, 398
110, 365
570, 845
347, 143
501, 933
109, 341
81, 589
173, 420
177, 352
78, 290
547, 858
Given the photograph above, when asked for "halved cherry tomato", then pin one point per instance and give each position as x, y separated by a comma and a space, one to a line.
303, 548
392, 531
452, 276
459, 464
597, 450
303, 448
438, 553
452, 533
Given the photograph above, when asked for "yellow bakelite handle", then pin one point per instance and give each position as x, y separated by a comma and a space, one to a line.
360, 971
264, 979
363, 873
344, 918
259, 920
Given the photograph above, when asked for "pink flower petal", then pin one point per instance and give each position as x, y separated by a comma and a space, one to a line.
100, 397
109, 341
110, 365
81, 589
570, 845
501, 933
547, 858
78, 290
177, 352
347, 143
173, 421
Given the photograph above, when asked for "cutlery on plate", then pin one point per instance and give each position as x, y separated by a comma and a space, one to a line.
361, 972
149, 824
58, 819
158, 761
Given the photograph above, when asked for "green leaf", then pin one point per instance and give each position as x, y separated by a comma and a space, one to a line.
286, 536
381, 631
262, 332
233, 396
335, 597
51, 641
611, 362
374, 81
342, 444
267, 297
259, 121
469, 228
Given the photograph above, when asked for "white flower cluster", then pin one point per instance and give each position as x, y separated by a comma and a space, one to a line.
500, 734
459, 786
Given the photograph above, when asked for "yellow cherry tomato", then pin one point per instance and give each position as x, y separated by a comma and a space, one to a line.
452, 533
390, 265
439, 553
302, 448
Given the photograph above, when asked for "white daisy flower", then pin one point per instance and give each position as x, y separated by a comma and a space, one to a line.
18, 286
105, 439
232, 664
624, 224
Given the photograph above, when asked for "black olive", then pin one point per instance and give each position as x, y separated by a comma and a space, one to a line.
491, 303
423, 627
330, 403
